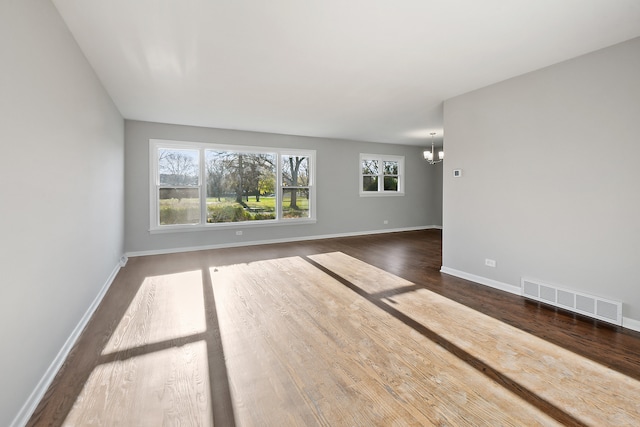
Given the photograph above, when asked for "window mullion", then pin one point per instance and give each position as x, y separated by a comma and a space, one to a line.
380, 174
279, 186
155, 200
203, 192
157, 204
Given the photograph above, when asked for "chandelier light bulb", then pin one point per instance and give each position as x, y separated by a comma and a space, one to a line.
430, 155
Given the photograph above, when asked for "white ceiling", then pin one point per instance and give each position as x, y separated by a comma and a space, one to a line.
372, 70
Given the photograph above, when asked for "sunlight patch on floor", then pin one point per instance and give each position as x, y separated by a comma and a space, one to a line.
167, 387
166, 307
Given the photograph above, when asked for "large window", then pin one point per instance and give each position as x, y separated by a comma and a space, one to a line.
196, 185
381, 175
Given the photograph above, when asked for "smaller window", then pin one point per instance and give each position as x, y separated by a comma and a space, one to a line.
381, 175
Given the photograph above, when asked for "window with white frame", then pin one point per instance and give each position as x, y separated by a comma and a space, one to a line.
198, 185
381, 175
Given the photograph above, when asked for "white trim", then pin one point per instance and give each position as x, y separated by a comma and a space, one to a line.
271, 241
632, 324
32, 402
482, 280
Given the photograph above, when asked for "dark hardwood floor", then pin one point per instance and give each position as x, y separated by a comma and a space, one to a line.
137, 328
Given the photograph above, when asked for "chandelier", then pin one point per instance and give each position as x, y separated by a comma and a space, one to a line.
429, 155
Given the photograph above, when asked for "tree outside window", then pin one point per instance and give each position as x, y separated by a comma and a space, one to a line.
381, 175
295, 186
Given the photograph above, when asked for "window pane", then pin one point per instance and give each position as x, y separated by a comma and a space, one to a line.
369, 167
179, 206
178, 167
391, 183
295, 203
369, 183
390, 168
295, 171
240, 186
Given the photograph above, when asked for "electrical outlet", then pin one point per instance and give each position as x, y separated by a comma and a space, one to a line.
239, 233
490, 262
386, 221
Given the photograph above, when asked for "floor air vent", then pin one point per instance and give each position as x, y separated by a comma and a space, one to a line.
589, 305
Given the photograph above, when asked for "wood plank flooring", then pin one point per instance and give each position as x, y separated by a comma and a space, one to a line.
351, 331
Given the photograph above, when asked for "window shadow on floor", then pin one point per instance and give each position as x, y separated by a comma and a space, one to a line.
493, 374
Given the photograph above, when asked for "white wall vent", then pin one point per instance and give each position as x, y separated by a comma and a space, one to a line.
578, 302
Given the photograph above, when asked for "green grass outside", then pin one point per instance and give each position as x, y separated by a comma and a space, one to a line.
186, 211
183, 211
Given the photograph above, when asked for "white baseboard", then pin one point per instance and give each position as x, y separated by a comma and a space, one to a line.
632, 324
32, 402
271, 241
482, 280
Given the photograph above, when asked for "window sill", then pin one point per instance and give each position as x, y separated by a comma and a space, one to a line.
230, 225
382, 194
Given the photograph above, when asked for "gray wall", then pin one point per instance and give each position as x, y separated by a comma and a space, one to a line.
62, 193
550, 185
437, 190
340, 209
